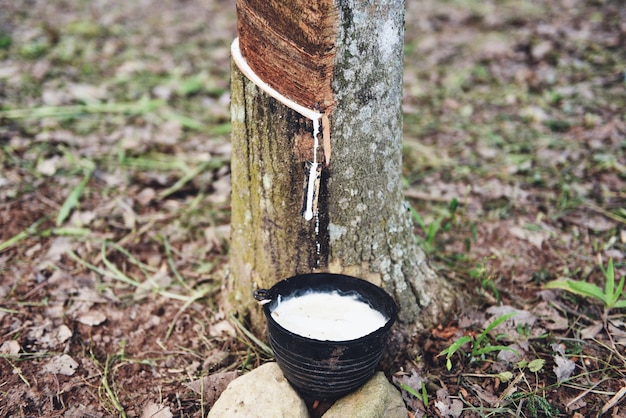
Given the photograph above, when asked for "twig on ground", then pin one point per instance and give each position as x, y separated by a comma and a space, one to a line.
614, 400
584, 393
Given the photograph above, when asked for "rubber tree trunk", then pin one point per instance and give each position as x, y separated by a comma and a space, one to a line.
342, 59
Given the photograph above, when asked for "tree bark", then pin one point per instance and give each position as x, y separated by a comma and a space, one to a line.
362, 225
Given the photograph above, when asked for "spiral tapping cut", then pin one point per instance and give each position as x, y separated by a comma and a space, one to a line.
314, 168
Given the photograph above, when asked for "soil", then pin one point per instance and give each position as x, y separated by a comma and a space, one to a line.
114, 207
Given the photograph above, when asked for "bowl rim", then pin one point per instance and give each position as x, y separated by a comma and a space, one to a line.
267, 300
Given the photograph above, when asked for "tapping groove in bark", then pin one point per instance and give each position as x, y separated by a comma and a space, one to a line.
364, 228
291, 46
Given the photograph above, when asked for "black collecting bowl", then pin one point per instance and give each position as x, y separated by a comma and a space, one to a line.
327, 370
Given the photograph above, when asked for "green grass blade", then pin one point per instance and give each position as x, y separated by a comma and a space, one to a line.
73, 198
145, 268
186, 179
110, 393
618, 291
491, 326
609, 286
577, 287
197, 295
456, 345
424, 395
185, 121
86, 264
67, 231
221, 129
453, 206
252, 337
170, 262
114, 271
498, 321
588, 289
453, 348
31, 230
142, 106
154, 161
433, 229
418, 219
410, 390
117, 274
492, 348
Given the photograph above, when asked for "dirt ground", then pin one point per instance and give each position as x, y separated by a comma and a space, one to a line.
114, 206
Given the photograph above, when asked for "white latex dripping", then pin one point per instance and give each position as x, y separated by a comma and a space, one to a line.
313, 174
314, 167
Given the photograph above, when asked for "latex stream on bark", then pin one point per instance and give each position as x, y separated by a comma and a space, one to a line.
319, 120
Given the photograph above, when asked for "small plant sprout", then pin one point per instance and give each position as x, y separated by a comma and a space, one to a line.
423, 396
442, 222
480, 347
534, 365
613, 297
73, 198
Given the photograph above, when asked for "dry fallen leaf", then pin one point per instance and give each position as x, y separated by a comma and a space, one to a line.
617, 328
449, 408
145, 196
86, 93
575, 404
63, 333
564, 368
444, 333
486, 396
92, 318
549, 317
454, 410
595, 223
591, 331
63, 364
48, 167
211, 387
10, 347
59, 247
222, 328
509, 356
536, 238
153, 410
214, 359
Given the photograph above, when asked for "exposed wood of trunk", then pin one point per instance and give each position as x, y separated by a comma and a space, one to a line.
270, 240
364, 226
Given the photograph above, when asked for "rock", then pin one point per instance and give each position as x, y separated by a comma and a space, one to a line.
376, 399
263, 392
